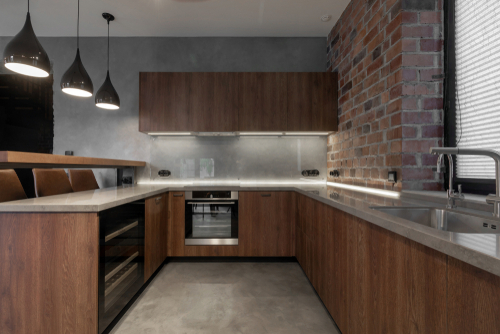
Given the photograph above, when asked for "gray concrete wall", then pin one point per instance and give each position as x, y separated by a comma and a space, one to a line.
89, 131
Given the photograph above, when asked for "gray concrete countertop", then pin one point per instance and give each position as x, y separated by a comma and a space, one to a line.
480, 250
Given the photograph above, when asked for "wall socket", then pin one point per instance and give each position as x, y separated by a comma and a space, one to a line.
335, 173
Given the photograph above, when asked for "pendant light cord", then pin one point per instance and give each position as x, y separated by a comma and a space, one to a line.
108, 45
78, 27
28, 6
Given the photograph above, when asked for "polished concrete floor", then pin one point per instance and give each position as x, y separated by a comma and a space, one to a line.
196, 298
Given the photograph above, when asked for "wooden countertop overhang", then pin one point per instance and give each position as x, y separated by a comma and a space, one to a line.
10, 159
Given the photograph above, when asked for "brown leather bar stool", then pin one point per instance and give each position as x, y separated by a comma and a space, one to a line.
10, 186
83, 180
49, 182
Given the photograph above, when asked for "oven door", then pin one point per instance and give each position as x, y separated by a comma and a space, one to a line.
211, 222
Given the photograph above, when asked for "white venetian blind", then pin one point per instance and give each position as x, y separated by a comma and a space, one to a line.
478, 84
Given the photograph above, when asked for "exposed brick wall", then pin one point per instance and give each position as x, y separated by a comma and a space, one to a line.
389, 57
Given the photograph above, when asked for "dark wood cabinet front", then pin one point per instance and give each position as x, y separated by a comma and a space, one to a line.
155, 234
266, 224
230, 102
312, 101
263, 101
176, 224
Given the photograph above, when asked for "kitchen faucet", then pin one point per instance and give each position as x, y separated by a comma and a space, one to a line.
450, 194
490, 199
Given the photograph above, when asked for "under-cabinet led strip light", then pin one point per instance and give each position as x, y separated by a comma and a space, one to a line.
374, 191
240, 134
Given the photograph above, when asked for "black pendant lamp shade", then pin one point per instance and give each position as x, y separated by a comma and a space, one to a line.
76, 81
107, 97
25, 55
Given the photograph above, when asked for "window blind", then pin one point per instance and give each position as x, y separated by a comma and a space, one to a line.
477, 43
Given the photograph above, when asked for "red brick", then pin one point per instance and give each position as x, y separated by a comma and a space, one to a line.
396, 22
429, 159
396, 91
385, 123
430, 17
418, 31
375, 65
410, 103
371, 80
428, 45
433, 103
410, 17
374, 138
393, 160
409, 75
418, 145
374, 173
409, 45
396, 119
382, 149
417, 174
431, 131
375, 19
396, 63
394, 106
376, 89
418, 60
373, 150
395, 133
375, 42
394, 51
409, 160
417, 117
396, 35
396, 146
426, 75
409, 132
370, 35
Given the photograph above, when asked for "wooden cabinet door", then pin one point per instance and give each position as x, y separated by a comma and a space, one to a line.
263, 101
201, 102
325, 101
155, 235
312, 102
176, 224
226, 103
164, 102
266, 224
473, 299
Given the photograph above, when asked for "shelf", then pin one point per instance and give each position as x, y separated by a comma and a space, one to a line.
10, 159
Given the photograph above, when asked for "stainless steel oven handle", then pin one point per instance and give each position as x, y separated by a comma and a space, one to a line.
216, 203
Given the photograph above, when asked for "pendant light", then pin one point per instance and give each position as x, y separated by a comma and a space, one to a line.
107, 97
76, 81
25, 55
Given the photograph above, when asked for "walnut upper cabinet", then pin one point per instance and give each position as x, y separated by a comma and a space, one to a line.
263, 101
231, 102
312, 102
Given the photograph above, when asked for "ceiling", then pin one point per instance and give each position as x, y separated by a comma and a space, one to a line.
175, 18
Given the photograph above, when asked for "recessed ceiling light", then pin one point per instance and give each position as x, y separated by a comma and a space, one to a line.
326, 18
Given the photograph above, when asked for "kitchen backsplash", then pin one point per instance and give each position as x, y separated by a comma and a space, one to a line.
247, 159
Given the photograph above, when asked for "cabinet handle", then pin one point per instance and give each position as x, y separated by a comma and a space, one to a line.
158, 199
266, 195
178, 195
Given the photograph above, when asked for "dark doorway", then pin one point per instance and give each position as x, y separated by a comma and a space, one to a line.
26, 119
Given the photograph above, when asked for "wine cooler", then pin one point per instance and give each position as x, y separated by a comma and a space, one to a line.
121, 259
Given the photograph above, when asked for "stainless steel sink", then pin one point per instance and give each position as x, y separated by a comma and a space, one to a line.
445, 219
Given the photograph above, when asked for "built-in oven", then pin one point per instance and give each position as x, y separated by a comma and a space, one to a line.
211, 218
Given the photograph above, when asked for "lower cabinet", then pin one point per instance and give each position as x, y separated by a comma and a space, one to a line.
155, 234
266, 224
371, 280
176, 224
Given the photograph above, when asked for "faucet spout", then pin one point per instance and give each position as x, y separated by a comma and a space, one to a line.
491, 199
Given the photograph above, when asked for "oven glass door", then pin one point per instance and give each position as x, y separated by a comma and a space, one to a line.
216, 220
